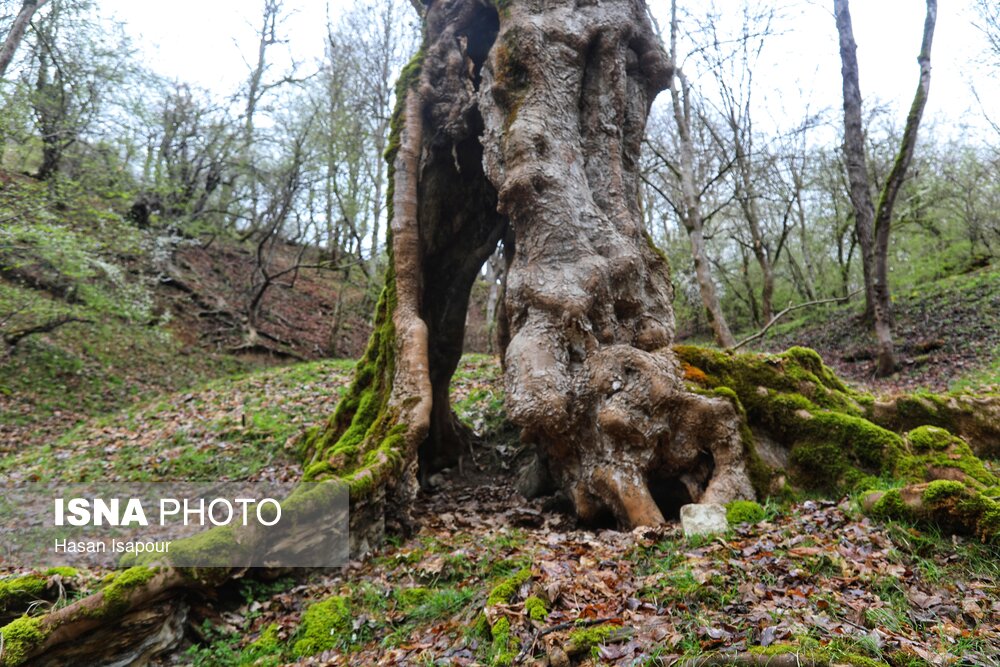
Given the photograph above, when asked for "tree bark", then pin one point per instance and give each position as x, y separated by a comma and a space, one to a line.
854, 153
589, 375
873, 225
16, 34
887, 198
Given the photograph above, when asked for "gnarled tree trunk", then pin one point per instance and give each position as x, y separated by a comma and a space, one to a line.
526, 121
589, 375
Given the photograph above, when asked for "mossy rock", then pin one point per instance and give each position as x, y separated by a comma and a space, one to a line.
951, 505
802, 405
934, 453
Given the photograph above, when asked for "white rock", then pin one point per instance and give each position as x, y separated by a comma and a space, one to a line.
704, 519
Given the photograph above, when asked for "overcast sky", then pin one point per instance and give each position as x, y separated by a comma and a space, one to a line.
201, 41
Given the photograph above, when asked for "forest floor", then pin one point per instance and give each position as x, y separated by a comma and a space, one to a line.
816, 578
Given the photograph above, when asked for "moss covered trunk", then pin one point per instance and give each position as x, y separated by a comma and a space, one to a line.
396, 425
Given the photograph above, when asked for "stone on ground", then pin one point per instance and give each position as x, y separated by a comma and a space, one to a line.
703, 519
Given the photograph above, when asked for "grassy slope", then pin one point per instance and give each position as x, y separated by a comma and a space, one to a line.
66, 254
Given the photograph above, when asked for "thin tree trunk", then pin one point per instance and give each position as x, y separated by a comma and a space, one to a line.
690, 208
881, 219
746, 193
854, 153
887, 198
495, 271
16, 34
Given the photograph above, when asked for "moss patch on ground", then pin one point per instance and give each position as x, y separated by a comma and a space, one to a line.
325, 625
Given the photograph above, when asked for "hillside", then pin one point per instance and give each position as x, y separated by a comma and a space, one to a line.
96, 314
947, 332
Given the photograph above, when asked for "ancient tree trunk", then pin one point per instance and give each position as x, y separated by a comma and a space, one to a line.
527, 121
589, 375
873, 225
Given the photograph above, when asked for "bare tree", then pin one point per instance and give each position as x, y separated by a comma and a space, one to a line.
365, 50
874, 224
732, 61
687, 203
258, 86
988, 21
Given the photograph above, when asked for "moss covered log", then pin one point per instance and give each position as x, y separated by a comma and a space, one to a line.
28, 637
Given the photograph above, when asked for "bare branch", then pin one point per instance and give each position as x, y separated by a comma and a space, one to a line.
774, 320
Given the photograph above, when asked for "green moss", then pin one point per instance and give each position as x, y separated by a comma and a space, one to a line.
930, 438
21, 589
864, 443
325, 625
821, 465
267, 645
585, 639
657, 250
535, 607
744, 511
504, 592
215, 547
115, 594
941, 489
504, 647
62, 571
891, 506
818, 654
409, 598
988, 527
933, 450
481, 627
20, 637
797, 379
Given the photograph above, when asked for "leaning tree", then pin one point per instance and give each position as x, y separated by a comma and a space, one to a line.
522, 121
